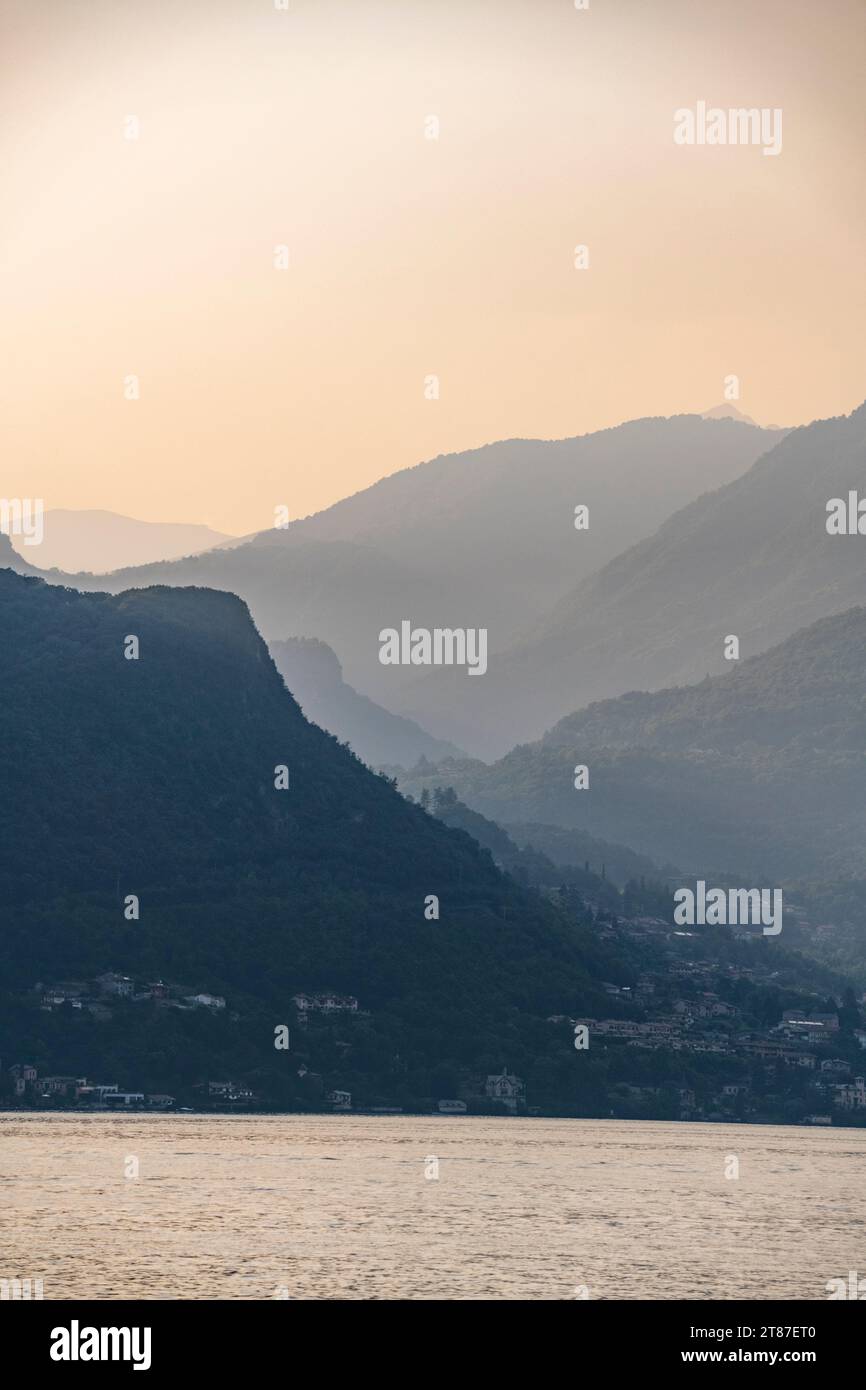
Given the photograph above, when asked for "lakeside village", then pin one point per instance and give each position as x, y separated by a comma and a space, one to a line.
689, 1039
24, 1087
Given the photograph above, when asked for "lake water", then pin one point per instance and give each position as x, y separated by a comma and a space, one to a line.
238, 1207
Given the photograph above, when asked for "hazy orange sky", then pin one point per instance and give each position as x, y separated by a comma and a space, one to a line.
408, 256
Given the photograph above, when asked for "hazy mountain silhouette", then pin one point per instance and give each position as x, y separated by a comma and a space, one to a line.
531, 865
728, 412
10, 559
758, 771
575, 848
480, 539
752, 559
156, 777
100, 541
313, 673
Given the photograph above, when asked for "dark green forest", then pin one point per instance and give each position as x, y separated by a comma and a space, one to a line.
155, 777
156, 782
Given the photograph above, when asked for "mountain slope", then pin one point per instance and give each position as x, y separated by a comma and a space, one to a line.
481, 539
727, 412
518, 851
155, 777
760, 771
576, 849
313, 674
753, 559
99, 541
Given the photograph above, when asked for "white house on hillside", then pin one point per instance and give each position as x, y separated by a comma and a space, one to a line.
507, 1088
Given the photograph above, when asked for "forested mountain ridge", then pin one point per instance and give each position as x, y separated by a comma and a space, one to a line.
155, 761
484, 538
97, 541
154, 778
808, 690
313, 673
753, 559
757, 771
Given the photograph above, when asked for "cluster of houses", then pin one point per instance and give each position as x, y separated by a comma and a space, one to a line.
327, 1002
232, 1092
503, 1087
693, 1018
661, 928
96, 995
26, 1082
705, 1023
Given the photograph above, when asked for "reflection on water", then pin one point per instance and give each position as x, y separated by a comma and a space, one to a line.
228, 1207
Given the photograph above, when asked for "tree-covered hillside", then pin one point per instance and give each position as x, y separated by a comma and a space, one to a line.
484, 538
312, 671
759, 771
177, 920
155, 777
753, 559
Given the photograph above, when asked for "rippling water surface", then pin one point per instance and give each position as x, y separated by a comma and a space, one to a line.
228, 1207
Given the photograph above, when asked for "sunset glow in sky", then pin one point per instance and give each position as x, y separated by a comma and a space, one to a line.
408, 257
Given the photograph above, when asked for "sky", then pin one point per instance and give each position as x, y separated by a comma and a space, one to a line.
409, 257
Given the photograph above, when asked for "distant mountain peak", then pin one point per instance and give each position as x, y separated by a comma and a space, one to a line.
10, 559
726, 411
98, 541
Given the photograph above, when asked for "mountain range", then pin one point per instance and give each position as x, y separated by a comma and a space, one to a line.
166, 811
160, 755
99, 541
481, 539
752, 559
313, 673
759, 771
